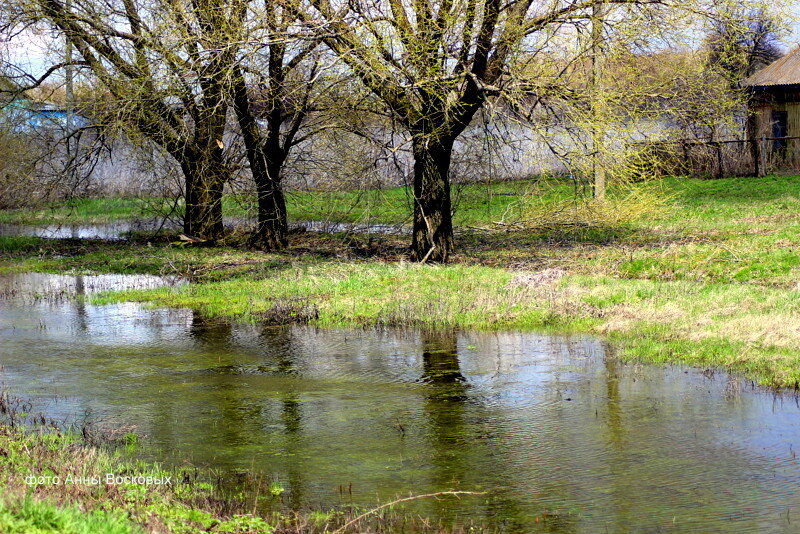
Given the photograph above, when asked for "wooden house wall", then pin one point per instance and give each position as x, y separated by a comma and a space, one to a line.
790, 103
793, 130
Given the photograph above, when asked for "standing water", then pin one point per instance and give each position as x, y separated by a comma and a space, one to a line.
122, 229
559, 435
113, 231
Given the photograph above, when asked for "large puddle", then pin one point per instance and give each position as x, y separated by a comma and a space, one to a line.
121, 230
560, 436
113, 231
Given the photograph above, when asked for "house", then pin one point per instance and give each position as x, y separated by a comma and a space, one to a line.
775, 107
24, 114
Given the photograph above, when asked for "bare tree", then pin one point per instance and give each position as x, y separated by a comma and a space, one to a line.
166, 66
435, 64
743, 40
274, 93
176, 72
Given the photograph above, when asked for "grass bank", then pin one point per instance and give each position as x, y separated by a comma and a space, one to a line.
52, 481
745, 328
711, 280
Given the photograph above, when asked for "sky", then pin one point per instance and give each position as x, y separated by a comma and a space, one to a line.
31, 51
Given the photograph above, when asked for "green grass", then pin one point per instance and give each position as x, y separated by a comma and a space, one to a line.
711, 280
345, 293
29, 516
475, 203
737, 326
714, 204
20, 254
79, 211
186, 505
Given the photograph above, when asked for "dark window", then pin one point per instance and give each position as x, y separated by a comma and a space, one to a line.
780, 128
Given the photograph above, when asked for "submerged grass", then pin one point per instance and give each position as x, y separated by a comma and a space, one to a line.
56, 481
712, 280
64, 497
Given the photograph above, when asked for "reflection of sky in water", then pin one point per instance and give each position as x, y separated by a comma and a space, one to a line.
111, 231
543, 423
120, 230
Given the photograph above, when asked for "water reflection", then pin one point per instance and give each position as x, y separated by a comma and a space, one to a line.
445, 408
440, 358
561, 436
210, 332
122, 229
113, 231
280, 343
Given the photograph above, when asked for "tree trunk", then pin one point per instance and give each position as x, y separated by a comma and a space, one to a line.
266, 161
204, 164
272, 226
433, 224
205, 181
751, 133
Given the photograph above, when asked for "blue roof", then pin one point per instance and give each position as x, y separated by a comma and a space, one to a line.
25, 115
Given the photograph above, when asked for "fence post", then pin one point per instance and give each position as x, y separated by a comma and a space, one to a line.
687, 164
755, 155
762, 157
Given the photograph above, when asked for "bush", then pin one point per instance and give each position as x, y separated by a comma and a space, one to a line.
17, 185
625, 204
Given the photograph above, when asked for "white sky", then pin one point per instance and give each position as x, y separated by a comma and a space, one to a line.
31, 51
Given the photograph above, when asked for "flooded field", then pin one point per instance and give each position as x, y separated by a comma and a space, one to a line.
557, 434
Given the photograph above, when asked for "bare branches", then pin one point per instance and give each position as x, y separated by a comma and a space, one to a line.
357, 519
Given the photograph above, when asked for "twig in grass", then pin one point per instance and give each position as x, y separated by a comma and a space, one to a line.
398, 501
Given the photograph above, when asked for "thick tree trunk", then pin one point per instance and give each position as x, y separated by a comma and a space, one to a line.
266, 161
205, 181
204, 164
272, 227
432, 240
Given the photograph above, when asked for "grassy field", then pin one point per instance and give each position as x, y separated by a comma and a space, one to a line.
709, 279
475, 203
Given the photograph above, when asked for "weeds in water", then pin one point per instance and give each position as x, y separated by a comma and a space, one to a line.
38, 452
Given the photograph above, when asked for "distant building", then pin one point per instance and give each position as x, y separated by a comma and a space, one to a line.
775, 105
23, 113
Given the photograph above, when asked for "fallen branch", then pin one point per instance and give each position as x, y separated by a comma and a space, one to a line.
404, 499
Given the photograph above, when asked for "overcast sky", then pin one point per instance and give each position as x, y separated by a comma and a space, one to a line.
31, 52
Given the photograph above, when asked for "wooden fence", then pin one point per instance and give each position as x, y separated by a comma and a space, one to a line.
731, 157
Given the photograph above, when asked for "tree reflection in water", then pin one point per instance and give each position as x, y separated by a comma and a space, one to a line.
446, 402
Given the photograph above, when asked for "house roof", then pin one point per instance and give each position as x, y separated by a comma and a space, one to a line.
785, 71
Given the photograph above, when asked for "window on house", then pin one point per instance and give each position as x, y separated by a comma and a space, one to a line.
780, 128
